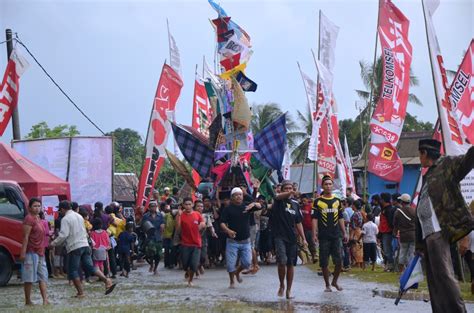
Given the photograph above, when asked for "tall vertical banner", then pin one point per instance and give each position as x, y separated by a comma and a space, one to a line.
389, 115
202, 115
452, 106
167, 94
9, 88
348, 160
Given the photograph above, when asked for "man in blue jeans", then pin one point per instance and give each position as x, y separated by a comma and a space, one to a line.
73, 232
235, 222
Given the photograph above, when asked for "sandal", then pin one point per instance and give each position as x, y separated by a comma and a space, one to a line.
110, 289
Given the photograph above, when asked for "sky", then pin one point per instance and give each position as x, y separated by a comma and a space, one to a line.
107, 55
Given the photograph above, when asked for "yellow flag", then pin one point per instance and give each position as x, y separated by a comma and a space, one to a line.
234, 71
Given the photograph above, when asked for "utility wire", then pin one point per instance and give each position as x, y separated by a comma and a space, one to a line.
56, 84
5, 41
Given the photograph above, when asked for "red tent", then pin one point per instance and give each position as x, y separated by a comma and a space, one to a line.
33, 179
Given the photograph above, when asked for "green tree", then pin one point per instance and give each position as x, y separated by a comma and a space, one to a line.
300, 152
42, 130
129, 152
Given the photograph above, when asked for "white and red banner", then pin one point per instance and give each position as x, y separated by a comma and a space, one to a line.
202, 115
348, 161
387, 121
167, 94
454, 139
9, 88
461, 94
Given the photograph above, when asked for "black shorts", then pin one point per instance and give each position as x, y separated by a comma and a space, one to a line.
329, 247
370, 252
190, 257
285, 252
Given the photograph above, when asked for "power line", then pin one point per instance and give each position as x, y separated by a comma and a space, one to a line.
57, 85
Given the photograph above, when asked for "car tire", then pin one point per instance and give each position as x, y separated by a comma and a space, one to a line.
6, 268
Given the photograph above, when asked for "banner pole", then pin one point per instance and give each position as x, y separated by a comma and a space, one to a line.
369, 109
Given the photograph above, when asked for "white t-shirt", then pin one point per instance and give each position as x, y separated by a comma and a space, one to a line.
370, 231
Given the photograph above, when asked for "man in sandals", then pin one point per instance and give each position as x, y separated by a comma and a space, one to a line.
73, 232
328, 224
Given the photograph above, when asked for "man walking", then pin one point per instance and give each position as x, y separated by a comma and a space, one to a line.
442, 218
154, 245
328, 222
235, 223
189, 223
404, 227
73, 232
286, 218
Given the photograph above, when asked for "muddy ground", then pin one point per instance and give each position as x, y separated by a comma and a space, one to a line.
168, 292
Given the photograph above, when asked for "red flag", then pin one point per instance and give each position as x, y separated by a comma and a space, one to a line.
231, 62
387, 121
461, 94
10, 87
167, 94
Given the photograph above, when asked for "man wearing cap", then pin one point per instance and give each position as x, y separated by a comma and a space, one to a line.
404, 229
442, 218
328, 224
235, 222
74, 233
154, 244
286, 218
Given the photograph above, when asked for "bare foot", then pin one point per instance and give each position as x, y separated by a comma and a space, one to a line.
288, 295
280, 291
239, 279
335, 285
190, 284
232, 286
328, 289
29, 303
79, 296
46, 302
151, 268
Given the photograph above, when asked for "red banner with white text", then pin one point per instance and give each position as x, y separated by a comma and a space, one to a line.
167, 94
387, 121
10, 87
461, 94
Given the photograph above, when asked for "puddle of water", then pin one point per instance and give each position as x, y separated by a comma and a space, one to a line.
418, 296
293, 306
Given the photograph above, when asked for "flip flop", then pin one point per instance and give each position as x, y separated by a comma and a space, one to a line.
110, 289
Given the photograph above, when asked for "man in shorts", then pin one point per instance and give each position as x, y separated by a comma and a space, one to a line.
286, 218
235, 222
328, 224
189, 223
74, 233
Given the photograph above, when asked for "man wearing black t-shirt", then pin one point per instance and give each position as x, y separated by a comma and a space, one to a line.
286, 218
235, 223
328, 220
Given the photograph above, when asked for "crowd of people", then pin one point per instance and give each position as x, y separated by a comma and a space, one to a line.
241, 230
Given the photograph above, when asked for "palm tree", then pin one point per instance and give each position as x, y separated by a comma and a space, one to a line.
263, 114
300, 153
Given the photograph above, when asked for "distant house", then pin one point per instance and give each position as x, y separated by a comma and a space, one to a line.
408, 152
125, 188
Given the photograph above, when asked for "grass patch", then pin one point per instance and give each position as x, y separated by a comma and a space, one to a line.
379, 276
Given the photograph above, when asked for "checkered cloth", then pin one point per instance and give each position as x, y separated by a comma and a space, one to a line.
271, 143
194, 151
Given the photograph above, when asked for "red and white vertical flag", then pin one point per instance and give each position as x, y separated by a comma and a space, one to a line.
202, 115
389, 115
286, 168
461, 94
10, 87
166, 96
348, 161
454, 139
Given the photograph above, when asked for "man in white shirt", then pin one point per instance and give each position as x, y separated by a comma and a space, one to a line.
74, 233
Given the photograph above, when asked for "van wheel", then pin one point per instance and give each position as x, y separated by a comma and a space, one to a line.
6, 268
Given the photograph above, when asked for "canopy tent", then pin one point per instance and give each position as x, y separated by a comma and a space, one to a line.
33, 179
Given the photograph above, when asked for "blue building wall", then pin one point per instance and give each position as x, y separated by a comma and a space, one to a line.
407, 185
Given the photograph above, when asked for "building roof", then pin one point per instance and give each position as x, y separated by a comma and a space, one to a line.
407, 148
125, 187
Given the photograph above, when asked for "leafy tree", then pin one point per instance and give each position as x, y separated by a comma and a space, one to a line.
300, 152
42, 130
129, 152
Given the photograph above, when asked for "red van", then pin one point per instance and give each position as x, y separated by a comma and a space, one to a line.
13, 207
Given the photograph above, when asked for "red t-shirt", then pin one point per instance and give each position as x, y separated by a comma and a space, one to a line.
190, 235
307, 220
36, 238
